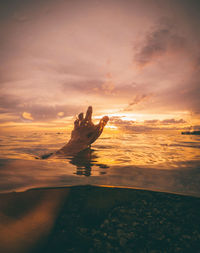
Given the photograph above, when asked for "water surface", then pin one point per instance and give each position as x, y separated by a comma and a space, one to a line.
162, 161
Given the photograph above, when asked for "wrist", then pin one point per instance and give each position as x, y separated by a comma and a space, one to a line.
73, 147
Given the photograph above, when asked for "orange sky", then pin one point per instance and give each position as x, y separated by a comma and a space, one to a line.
136, 61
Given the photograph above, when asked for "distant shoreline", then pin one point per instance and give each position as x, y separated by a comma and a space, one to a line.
191, 132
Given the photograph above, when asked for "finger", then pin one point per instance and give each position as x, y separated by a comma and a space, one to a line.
80, 116
99, 129
88, 116
76, 123
103, 122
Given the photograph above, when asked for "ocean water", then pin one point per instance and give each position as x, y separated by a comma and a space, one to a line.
160, 161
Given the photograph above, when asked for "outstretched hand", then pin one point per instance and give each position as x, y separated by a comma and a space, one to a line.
84, 133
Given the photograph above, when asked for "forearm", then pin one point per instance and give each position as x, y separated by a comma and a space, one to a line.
72, 148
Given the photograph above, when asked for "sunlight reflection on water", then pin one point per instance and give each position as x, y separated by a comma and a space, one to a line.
165, 162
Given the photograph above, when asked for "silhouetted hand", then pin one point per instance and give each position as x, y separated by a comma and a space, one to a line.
84, 133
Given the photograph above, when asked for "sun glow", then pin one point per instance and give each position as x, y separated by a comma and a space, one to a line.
111, 127
141, 117
123, 116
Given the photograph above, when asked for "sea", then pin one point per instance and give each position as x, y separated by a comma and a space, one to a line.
164, 161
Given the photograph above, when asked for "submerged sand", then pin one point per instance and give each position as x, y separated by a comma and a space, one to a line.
98, 219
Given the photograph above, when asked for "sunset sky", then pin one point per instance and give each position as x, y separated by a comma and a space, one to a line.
134, 60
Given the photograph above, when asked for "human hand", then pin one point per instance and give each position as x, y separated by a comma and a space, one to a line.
84, 132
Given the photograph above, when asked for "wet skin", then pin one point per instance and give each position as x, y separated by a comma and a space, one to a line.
85, 132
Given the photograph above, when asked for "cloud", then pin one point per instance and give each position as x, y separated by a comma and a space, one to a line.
84, 86
108, 86
44, 78
44, 112
130, 125
182, 95
162, 38
165, 121
107, 90
148, 125
173, 121
153, 121
137, 99
27, 115
16, 109
103, 86
9, 103
196, 127
60, 114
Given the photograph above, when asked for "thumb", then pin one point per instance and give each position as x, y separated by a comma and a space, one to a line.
103, 122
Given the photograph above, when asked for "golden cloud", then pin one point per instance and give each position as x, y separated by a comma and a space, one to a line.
27, 115
60, 114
